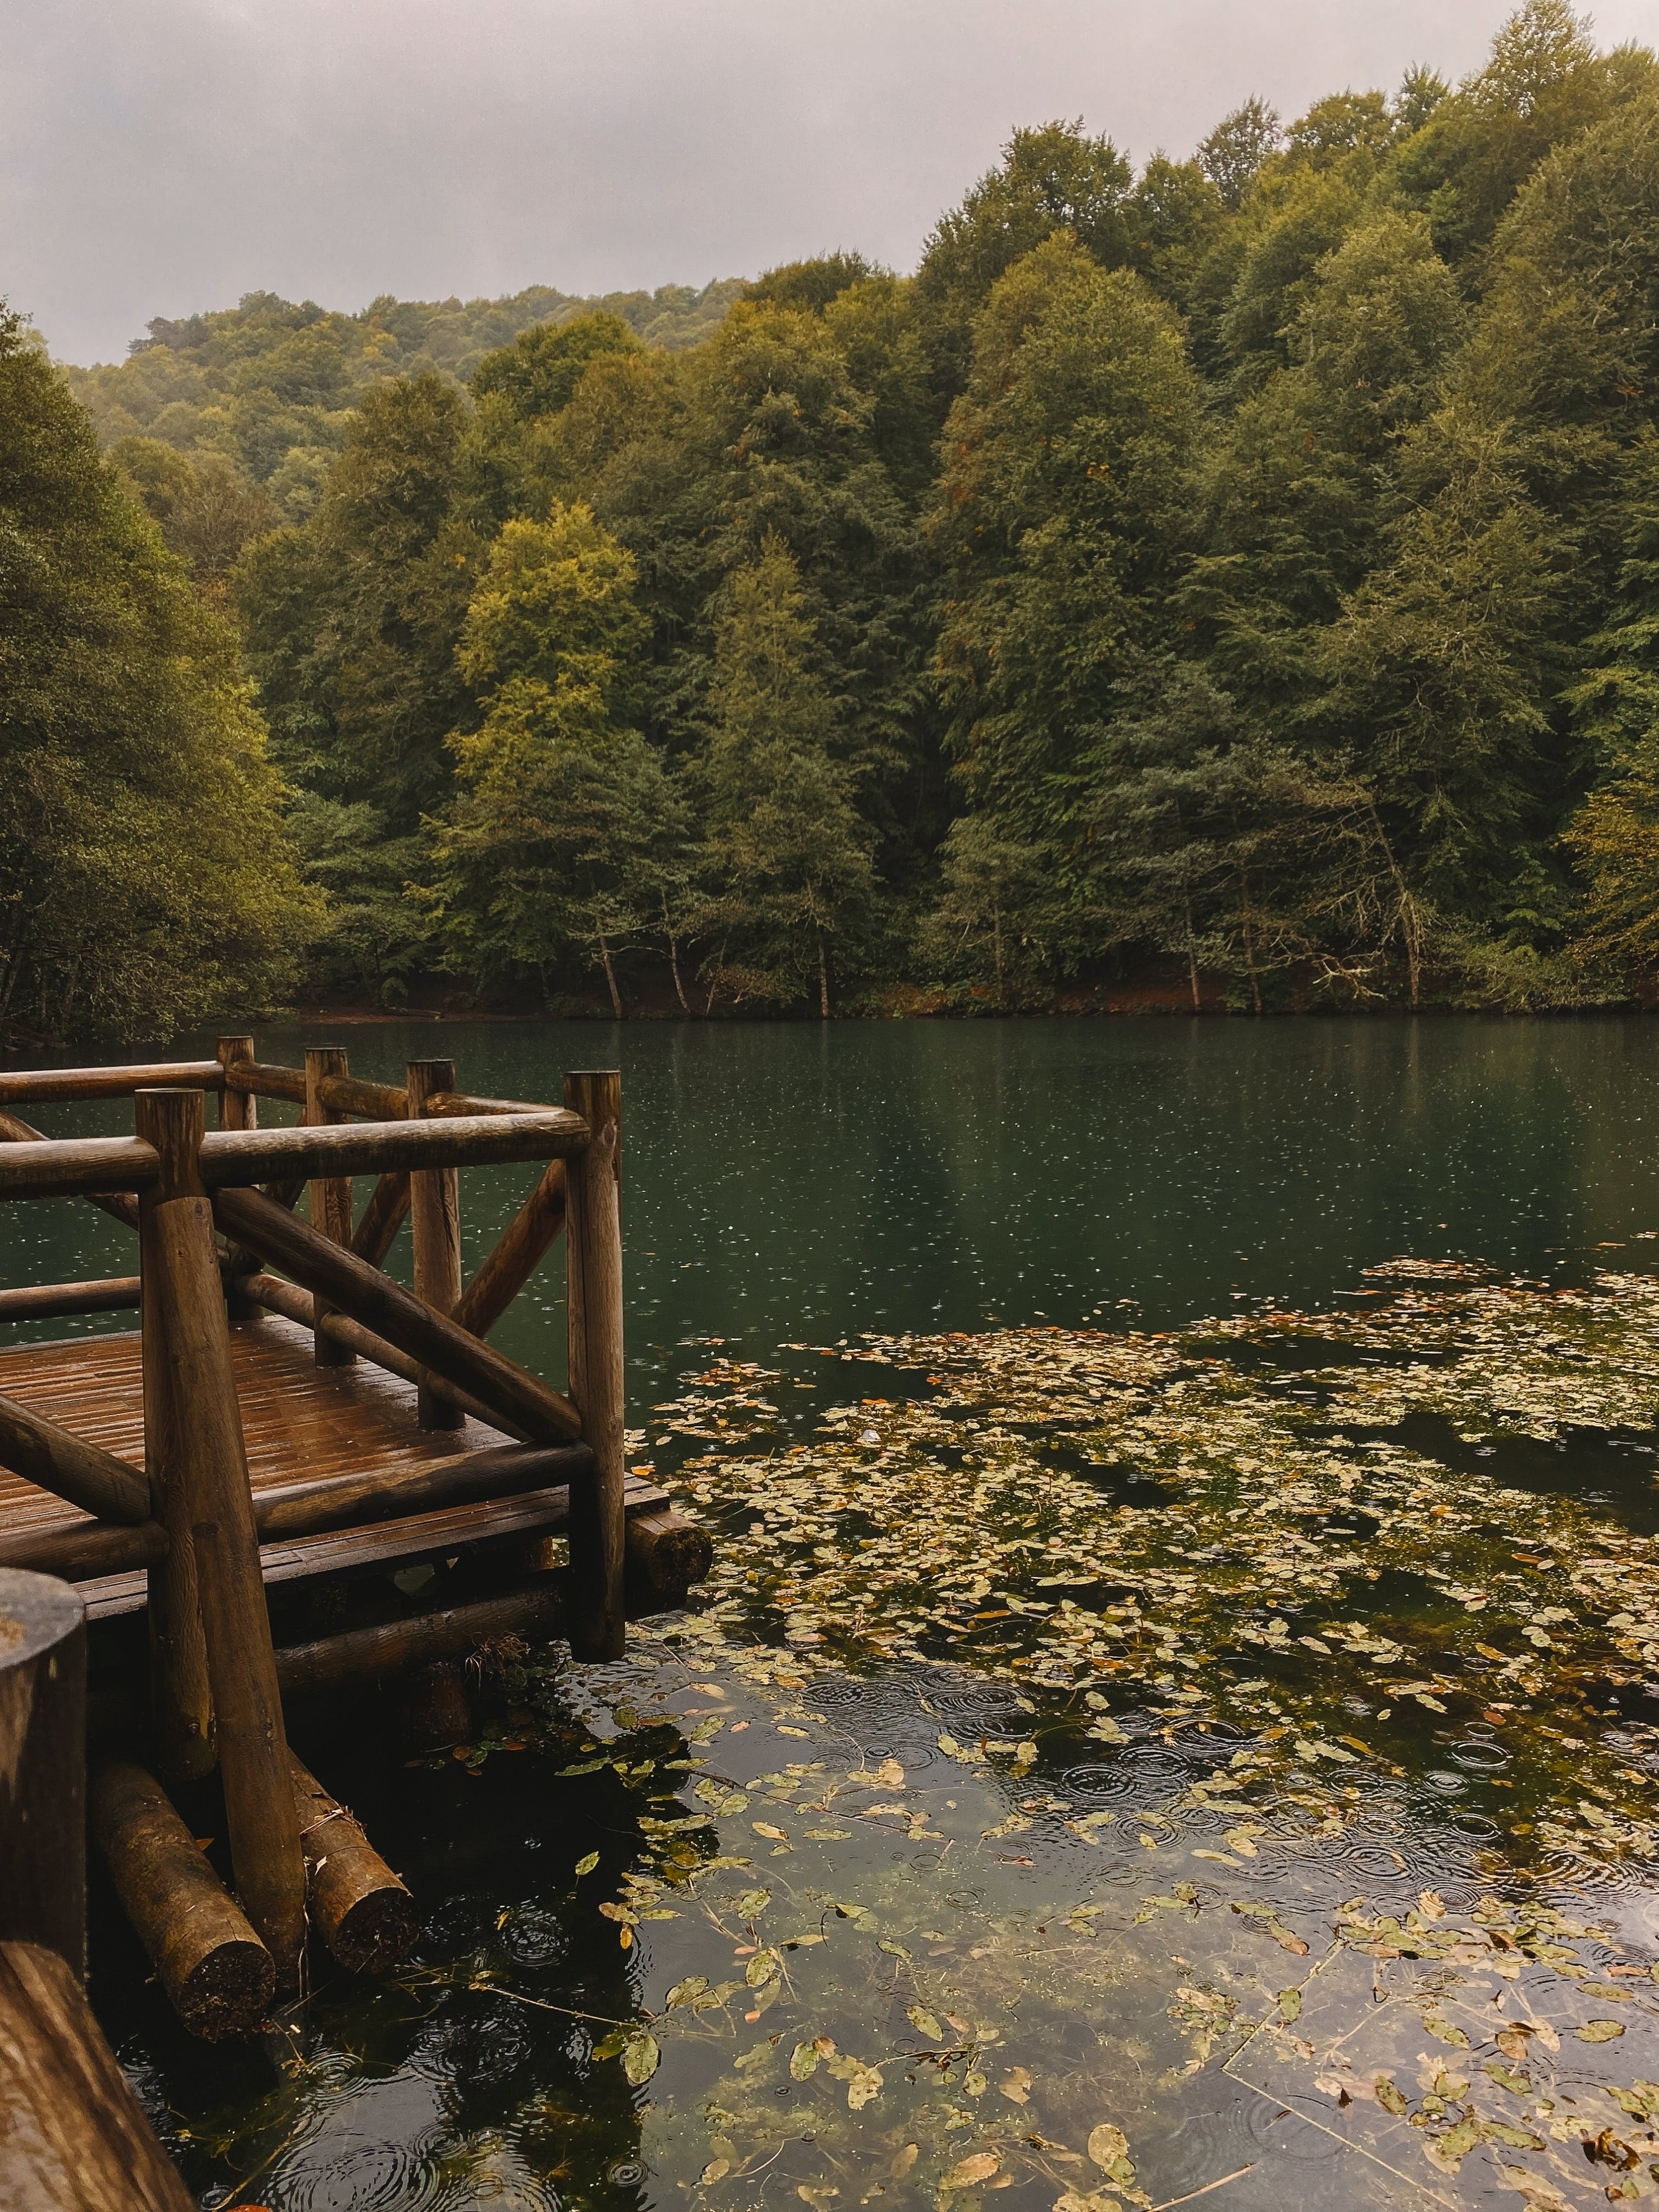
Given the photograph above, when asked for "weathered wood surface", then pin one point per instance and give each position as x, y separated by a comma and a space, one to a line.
366, 1656
121, 1206
218, 1975
73, 2137
26, 1086
434, 1219
666, 1553
599, 1623
84, 1474
181, 1696
363, 1912
276, 1296
543, 1413
87, 1167
53, 1301
43, 1735
382, 1218
329, 1197
523, 1245
212, 1470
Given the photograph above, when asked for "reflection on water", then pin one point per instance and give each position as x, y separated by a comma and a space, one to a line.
925, 1892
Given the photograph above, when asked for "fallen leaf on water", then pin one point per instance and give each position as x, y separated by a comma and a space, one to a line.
979, 2165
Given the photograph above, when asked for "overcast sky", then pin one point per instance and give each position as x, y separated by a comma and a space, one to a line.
159, 156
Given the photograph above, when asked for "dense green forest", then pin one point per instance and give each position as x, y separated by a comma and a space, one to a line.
1230, 583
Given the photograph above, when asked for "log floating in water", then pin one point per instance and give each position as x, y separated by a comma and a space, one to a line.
366, 1914
217, 1974
70, 1468
72, 2135
397, 1315
51, 1301
43, 1735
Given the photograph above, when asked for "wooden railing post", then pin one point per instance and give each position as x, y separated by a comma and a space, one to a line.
43, 1765
181, 1700
237, 1109
330, 1195
598, 1625
212, 1468
435, 1220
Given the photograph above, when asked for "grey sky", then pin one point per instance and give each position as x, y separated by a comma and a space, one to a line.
160, 156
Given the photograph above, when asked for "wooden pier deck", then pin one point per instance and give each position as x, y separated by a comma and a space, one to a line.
300, 1423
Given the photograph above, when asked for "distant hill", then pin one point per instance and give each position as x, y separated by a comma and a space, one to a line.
272, 384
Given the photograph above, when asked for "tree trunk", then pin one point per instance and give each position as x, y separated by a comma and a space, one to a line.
823, 985
996, 941
674, 955
1192, 960
611, 975
1249, 938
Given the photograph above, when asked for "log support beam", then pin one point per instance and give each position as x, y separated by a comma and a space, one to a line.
599, 1622
435, 1217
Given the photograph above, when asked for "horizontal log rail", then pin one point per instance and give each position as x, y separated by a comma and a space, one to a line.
38, 1085
53, 1301
84, 1167
350, 1094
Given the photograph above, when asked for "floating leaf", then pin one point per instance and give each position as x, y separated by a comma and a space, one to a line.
1107, 2145
924, 2023
586, 1865
1600, 2031
716, 2170
804, 2062
683, 1992
1290, 2005
978, 2166
640, 2058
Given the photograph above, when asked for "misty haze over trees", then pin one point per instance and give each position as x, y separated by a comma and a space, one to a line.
1238, 576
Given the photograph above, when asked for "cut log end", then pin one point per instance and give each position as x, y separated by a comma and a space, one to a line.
229, 1992
667, 1554
377, 1930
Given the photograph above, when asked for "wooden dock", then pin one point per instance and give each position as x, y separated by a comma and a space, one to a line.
287, 1419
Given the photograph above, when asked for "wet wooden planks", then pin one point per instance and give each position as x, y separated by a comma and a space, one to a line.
301, 1422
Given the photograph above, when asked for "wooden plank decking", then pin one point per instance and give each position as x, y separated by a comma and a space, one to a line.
300, 1422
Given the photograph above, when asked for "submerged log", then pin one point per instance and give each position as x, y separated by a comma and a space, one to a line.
366, 1914
217, 1974
43, 1759
397, 1315
73, 2137
51, 1301
364, 1656
70, 1468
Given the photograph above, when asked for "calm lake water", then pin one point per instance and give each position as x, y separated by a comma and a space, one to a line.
796, 1186
783, 1180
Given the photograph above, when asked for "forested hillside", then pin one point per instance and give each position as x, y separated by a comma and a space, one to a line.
1237, 577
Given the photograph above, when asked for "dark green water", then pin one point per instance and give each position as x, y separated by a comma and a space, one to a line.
795, 1179
791, 1183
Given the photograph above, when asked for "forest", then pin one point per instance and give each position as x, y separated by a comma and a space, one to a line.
1230, 583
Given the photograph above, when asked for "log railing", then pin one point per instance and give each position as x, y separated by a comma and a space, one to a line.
219, 1239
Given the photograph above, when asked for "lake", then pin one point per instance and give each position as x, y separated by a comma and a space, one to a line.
1092, 1413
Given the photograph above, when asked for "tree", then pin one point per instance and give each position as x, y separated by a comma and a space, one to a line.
208, 508
988, 919
786, 857
1232, 155
1057, 514
145, 880
567, 830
